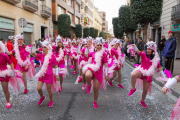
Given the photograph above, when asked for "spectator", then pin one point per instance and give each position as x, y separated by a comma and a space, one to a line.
2, 40
140, 45
10, 47
25, 42
131, 41
125, 47
136, 41
161, 46
169, 51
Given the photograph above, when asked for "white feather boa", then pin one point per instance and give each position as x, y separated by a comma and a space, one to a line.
85, 62
95, 67
5, 73
44, 67
151, 70
18, 56
61, 55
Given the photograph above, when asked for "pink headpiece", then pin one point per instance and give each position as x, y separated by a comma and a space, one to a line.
115, 41
84, 41
2, 47
58, 39
73, 41
151, 45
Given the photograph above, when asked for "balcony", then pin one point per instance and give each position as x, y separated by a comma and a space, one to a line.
31, 6
73, 24
13, 1
175, 15
82, 5
156, 24
46, 11
78, 1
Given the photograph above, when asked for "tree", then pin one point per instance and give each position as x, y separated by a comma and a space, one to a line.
116, 28
86, 32
92, 32
95, 33
146, 11
126, 24
64, 25
78, 30
101, 34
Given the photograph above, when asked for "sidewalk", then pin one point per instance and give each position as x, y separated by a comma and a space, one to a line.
176, 88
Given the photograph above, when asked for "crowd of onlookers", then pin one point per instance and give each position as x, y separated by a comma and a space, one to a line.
165, 48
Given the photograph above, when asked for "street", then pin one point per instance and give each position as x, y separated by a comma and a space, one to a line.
75, 104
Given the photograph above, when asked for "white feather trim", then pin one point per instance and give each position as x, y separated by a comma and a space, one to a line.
43, 69
95, 67
5, 73
151, 70
61, 55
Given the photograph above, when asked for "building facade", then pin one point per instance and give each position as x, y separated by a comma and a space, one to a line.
170, 20
103, 16
70, 7
87, 11
127, 2
97, 20
37, 14
106, 28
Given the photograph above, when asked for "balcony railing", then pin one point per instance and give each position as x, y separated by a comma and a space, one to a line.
175, 15
31, 6
13, 1
46, 11
157, 23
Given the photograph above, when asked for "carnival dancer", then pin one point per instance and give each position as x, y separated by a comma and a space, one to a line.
60, 54
45, 74
175, 113
141, 77
83, 60
94, 71
68, 49
74, 56
8, 74
23, 60
116, 62
106, 44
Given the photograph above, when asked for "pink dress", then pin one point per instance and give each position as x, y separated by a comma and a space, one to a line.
4, 60
83, 57
48, 76
74, 52
146, 64
62, 61
68, 49
24, 55
115, 53
99, 73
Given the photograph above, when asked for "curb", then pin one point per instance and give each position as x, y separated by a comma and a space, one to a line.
157, 82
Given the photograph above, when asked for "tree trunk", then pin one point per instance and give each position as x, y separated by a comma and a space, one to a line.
145, 32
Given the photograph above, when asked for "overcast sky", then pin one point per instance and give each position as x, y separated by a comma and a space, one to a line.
111, 8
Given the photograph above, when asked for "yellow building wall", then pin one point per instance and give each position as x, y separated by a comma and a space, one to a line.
13, 12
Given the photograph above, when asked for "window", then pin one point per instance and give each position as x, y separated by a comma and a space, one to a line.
61, 10
70, 3
71, 16
76, 20
77, 7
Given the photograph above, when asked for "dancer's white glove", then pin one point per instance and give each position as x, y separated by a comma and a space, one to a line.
162, 74
12, 73
66, 63
106, 70
170, 82
135, 48
87, 51
33, 49
57, 71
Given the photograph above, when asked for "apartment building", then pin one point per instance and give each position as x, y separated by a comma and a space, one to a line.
36, 13
87, 11
170, 20
106, 28
103, 16
70, 7
97, 20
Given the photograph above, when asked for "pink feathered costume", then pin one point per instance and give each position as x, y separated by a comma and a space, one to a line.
98, 60
147, 68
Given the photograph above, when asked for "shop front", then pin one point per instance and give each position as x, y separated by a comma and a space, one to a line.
6, 28
176, 30
28, 33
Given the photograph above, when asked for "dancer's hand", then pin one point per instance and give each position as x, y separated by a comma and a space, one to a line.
107, 78
57, 77
164, 89
26, 67
122, 65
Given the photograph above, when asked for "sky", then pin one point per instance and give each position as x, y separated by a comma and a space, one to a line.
111, 7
